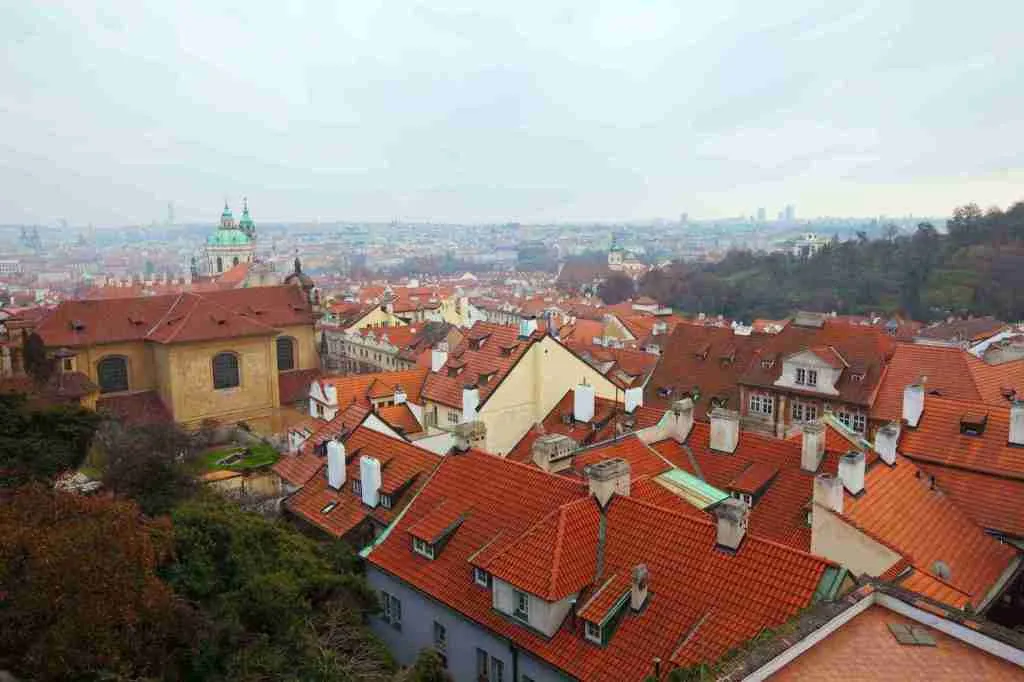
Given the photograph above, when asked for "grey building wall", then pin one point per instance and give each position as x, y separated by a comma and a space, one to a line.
464, 636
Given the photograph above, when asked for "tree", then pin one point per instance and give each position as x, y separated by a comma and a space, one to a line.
427, 668
38, 444
80, 595
148, 463
616, 288
37, 364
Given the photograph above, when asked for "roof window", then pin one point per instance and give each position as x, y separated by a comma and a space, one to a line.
911, 635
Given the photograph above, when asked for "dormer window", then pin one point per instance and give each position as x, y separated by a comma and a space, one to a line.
385, 501
812, 377
767, 363
762, 404
522, 610
423, 548
806, 377
593, 633
357, 486
481, 577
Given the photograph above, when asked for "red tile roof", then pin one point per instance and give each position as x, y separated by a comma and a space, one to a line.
721, 598
404, 469
344, 422
293, 385
401, 418
359, 388
753, 478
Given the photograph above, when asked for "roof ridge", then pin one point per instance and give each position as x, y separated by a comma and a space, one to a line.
167, 312
556, 552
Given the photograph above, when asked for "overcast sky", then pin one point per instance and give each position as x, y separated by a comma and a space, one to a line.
529, 111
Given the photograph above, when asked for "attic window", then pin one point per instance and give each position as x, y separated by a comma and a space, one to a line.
385, 501
857, 376
973, 423
592, 631
911, 635
481, 577
77, 326
767, 363
423, 548
665, 391
328, 508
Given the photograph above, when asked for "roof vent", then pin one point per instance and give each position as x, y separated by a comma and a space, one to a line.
941, 569
77, 326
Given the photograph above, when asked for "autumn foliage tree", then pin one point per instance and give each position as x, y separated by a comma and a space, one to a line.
79, 594
38, 444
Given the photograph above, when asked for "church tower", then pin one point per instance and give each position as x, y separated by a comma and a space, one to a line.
232, 244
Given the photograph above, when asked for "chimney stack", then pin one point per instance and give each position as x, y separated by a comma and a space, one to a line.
828, 492
583, 403
634, 398
470, 401
681, 417
438, 356
725, 430
527, 326
553, 452
731, 515
369, 476
1016, 436
851, 471
607, 478
913, 404
638, 588
470, 435
335, 464
886, 439
812, 446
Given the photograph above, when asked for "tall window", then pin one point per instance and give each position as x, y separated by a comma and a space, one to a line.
761, 404
112, 373
225, 370
812, 377
220, 264
285, 353
801, 375
440, 638
481, 665
235, 261
804, 412
522, 611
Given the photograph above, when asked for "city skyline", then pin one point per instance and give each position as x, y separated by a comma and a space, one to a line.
538, 114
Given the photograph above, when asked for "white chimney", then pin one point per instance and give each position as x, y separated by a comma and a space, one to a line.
335, 464
828, 492
470, 435
725, 430
583, 403
681, 416
607, 478
913, 404
812, 446
886, 439
851, 471
470, 401
438, 356
553, 452
638, 587
369, 476
634, 398
731, 517
331, 394
527, 326
400, 396
1016, 423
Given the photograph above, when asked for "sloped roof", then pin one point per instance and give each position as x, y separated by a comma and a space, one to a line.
401, 418
359, 388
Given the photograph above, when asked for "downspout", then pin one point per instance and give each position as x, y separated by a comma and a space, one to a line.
515, 661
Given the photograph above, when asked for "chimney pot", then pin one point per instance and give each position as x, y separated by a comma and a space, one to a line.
553, 452
335, 464
725, 430
1016, 436
583, 403
913, 404
469, 435
886, 439
812, 446
606, 478
731, 515
828, 492
851, 471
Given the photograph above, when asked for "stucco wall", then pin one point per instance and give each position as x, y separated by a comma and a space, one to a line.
140, 366
464, 636
544, 616
378, 318
306, 351
835, 539
194, 396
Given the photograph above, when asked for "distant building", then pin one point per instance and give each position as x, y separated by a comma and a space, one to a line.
808, 245
762, 215
232, 243
790, 213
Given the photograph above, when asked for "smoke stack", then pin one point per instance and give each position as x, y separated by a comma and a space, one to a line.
886, 439
335, 464
812, 446
731, 517
913, 404
583, 403
851, 471
725, 430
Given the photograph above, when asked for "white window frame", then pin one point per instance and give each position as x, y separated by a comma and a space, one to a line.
812, 377
593, 632
481, 577
423, 548
385, 501
521, 608
762, 403
800, 376
860, 422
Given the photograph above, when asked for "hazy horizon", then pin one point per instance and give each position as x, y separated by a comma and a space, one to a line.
533, 113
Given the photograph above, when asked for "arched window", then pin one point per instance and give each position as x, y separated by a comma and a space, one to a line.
285, 353
225, 370
112, 373
236, 260
220, 264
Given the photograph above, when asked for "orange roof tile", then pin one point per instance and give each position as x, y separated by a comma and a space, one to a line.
752, 479
400, 418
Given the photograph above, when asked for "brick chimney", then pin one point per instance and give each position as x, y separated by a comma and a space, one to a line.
731, 515
335, 464
583, 402
812, 446
886, 439
828, 492
725, 430
470, 401
851, 471
553, 452
638, 587
607, 478
1016, 436
913, 404
438, 356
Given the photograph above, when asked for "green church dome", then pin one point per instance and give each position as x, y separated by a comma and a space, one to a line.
228, 238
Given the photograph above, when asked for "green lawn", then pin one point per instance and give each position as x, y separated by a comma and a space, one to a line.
260, 455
